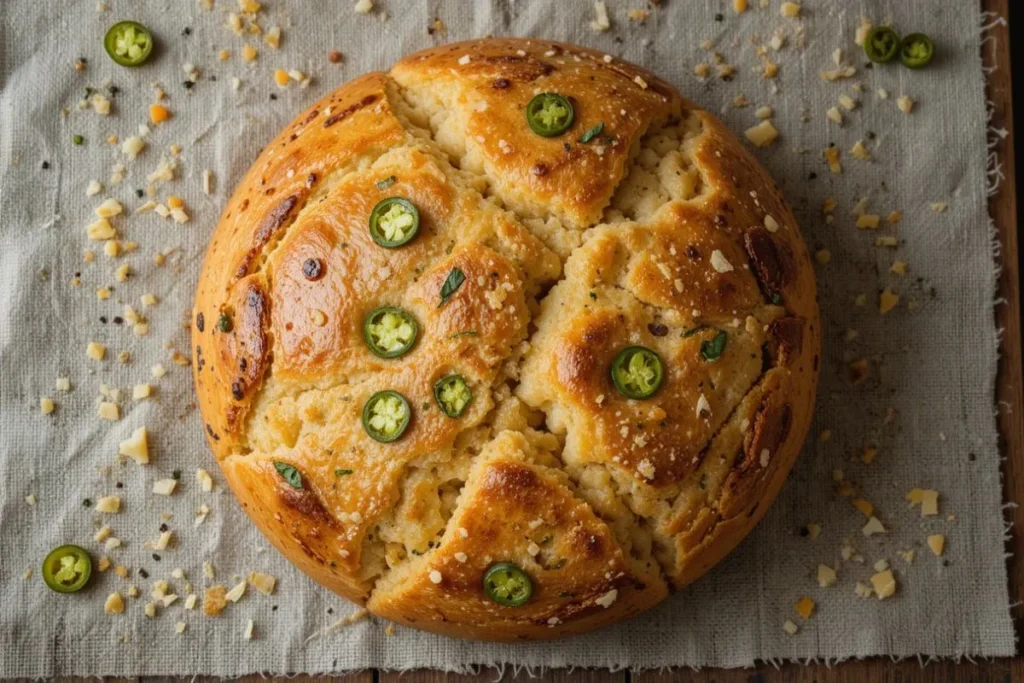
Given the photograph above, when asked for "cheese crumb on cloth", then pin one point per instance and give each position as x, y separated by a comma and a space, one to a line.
113, 179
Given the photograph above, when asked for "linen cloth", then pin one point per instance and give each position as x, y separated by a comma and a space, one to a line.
927, 405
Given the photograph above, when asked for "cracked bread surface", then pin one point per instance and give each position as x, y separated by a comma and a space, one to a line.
662, 231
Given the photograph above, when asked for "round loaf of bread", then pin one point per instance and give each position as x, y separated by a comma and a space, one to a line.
537, 260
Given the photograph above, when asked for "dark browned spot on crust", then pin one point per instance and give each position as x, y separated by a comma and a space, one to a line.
274, 220
585, 543
200, 322
501, 84
271, 223
771, 263
657, 329
348, 111
576, 362
525, 68
305, 502
785, 337
539, 170
312, 115
692, 252
512, 480
247, 347
771, 427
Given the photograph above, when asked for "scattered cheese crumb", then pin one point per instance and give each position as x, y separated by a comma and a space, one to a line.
719, 262
763, 134
937, 543
264, 583
164, 487
790, 627
214, 600
874, 526
601, 22
904, 104
804, 607
137, 447
236, 593
826, 576
884, 584
114, 604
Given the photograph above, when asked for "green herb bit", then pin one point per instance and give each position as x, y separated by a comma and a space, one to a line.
592, 133
451, 285
224, 323
711, 349
386, 182
339, 472
78, 140
289, 474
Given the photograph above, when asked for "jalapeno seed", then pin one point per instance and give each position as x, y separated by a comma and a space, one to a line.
637, 372
386, 416
67, 569
507, 585
549, 114
128, 43
881, 44
389, 331
452, 394
394, 222
917, 51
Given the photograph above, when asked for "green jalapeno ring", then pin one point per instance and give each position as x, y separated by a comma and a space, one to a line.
394, 222
882, 44
386, 416
916, 51
550, 114
390, 331
637, 372
507, 585
67, 569
128, 43
453, 395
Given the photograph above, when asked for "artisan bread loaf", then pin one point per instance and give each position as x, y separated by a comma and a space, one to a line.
506, 343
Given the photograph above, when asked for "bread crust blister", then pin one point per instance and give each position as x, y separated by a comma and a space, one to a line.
660, 231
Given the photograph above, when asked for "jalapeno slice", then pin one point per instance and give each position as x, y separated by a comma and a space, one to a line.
67, 569
507, 584
390, 331
881, 44
550, 114
394, 222
452, 395
128, 43
386, 416
637, 372
916, 51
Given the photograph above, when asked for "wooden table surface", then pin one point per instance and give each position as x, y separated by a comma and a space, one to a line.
1003, 208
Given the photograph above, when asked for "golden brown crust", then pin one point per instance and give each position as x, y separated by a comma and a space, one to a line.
669, 234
